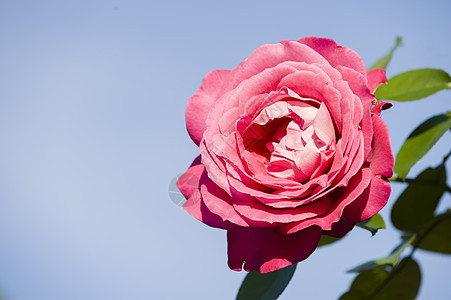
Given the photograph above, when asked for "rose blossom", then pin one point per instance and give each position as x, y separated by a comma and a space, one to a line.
290, 149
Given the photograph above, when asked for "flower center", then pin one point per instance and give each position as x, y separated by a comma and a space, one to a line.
295, 139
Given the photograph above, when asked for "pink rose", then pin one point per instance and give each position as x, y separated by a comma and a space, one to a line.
290, 149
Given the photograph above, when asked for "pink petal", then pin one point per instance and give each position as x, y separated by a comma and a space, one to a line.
281, 167
340, 228
342, 198
258, 212
269, 56
376, 77
269, 113
381, 157
188, 184
323, 125
324, 161
214, 165
316, 85
219, 202
319, 86
336, 55
370, 202
252, 91
308, 160
293, 136
380, 106
367, 129
358, 84
266, 249
200, 103
228, 120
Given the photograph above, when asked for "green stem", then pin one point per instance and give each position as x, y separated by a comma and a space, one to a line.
415, 244
415, 181
420, 236
446, 157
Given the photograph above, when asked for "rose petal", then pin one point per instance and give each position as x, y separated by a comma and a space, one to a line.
188, 184
269, 56
323, 125
219, 202
376, 77
358, 84
307, 160
342, 198
336, 55
266, 249
381, 156
370, 202
200, 103
341, 228
228, 120
380, 106
258, 212
367, 130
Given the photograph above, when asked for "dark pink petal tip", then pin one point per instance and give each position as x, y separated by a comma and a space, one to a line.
376, 77
380, 106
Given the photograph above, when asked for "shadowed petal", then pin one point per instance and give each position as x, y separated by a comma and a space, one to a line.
218, 201
188, 185
266, 249
372, 200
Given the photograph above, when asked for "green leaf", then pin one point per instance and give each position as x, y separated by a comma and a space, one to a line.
373, 224
392, 259
366, 283
414, 85
326, 240
402, 282
267, 286
416, 205
352, 295
420, 141
383, 62
438, 237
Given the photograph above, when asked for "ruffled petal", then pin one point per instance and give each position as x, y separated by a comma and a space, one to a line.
269, 56
258, 212
342, 198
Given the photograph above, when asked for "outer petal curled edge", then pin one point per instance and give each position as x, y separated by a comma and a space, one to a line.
200, 103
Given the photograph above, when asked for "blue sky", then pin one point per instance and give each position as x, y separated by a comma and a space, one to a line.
92, 99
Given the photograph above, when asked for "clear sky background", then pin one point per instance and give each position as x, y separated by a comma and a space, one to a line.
92, 131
